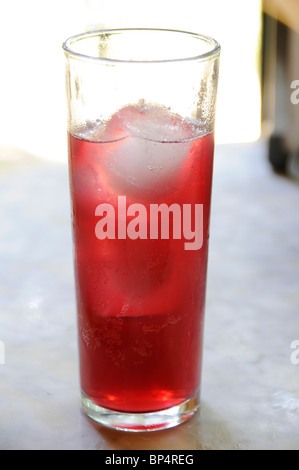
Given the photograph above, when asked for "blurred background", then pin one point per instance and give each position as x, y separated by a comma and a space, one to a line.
32, 98
259, 61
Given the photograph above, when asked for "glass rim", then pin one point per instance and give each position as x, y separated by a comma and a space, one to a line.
209, 55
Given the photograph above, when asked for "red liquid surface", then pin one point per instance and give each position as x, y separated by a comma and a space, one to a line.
140, 302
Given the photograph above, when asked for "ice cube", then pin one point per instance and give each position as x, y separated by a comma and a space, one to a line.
154, 145
151, 122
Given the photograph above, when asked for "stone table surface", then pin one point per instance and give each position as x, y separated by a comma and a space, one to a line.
250, 383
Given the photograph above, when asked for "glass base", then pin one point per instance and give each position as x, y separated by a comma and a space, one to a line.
141, 422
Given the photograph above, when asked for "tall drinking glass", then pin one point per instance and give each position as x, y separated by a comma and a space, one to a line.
141, 113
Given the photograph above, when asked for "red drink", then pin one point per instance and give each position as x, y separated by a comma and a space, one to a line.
140, 298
